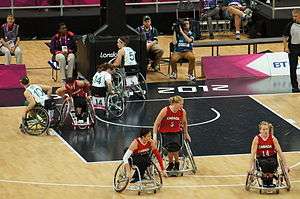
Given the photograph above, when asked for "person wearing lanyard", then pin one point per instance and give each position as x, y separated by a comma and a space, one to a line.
9, 42
63, 48
291, 42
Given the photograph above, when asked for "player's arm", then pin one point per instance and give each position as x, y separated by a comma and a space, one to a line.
157, 122
185, 126
31, 102
280, 153
118, 59
47, 89
253, 152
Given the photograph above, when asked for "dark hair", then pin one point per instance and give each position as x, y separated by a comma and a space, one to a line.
24, 80
10, 15
144, 132
61, 24
125, 39
105, 66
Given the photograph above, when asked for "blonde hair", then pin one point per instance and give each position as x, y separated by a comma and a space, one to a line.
271, 128
263, 123
296, 10
175, 99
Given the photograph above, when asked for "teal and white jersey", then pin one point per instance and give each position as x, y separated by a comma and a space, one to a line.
38, 94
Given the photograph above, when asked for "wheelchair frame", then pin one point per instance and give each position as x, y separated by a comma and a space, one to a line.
152, 184
140, 89
186, 159
39, 119
68, 109
254, 181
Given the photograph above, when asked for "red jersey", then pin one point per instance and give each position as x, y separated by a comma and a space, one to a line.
142, 148
75, 90
266, 147
171, 123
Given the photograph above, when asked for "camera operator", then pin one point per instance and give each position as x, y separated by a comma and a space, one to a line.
183, 41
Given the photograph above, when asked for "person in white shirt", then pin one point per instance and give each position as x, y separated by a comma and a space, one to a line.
102, 80
102, 84
35, 94
126, 55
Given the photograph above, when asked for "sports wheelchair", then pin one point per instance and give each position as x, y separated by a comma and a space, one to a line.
114, 103
130, 81
186, 160
280, 177
68, 109
39, 119
151, 182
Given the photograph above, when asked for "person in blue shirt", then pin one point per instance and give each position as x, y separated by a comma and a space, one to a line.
183, 40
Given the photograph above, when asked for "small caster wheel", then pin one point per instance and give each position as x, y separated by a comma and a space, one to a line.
277, 191
139, 193
154, 191
260, 191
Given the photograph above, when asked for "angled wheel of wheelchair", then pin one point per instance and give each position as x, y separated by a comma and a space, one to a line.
64, 111
141, 89
91, 112
153, 173
249, 180
55, 117
120, 179
118, 82
285, 176
115, 105
190, 156
36, 121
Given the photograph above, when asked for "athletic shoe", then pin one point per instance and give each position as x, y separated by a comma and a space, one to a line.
237, 36
173, 75
295, 90
176, 167
170, 166
191, 78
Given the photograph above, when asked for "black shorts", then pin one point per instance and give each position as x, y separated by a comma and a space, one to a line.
80, 102
99, 91
172, 141
268, 164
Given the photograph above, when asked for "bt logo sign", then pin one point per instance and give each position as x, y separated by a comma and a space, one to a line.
281, 64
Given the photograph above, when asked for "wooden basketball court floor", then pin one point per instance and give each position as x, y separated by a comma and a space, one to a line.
43, 167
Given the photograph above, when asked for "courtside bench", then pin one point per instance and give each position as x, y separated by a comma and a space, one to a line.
248, 42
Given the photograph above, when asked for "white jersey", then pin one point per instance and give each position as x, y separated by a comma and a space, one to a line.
129, 58
100, 79
38, 94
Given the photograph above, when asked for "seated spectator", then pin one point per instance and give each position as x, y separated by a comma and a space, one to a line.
10, 40
155, 52
210, 11
183, 41
63, 48
234, 9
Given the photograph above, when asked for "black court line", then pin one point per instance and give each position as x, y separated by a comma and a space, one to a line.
232, 133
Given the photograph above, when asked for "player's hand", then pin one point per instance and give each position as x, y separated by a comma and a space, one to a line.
187, 137
164, 173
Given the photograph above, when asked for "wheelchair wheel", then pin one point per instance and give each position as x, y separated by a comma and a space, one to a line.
190, 156
249, 180
153, 173
36, 121
64, 111
55, 117
91, 112
115, 105
120, 179
285, 176
118, 82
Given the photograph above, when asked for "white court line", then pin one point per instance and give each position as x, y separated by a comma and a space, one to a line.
195, 157
109, 186
218, 115
295, 165
71, 148
270, 109
208, 97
